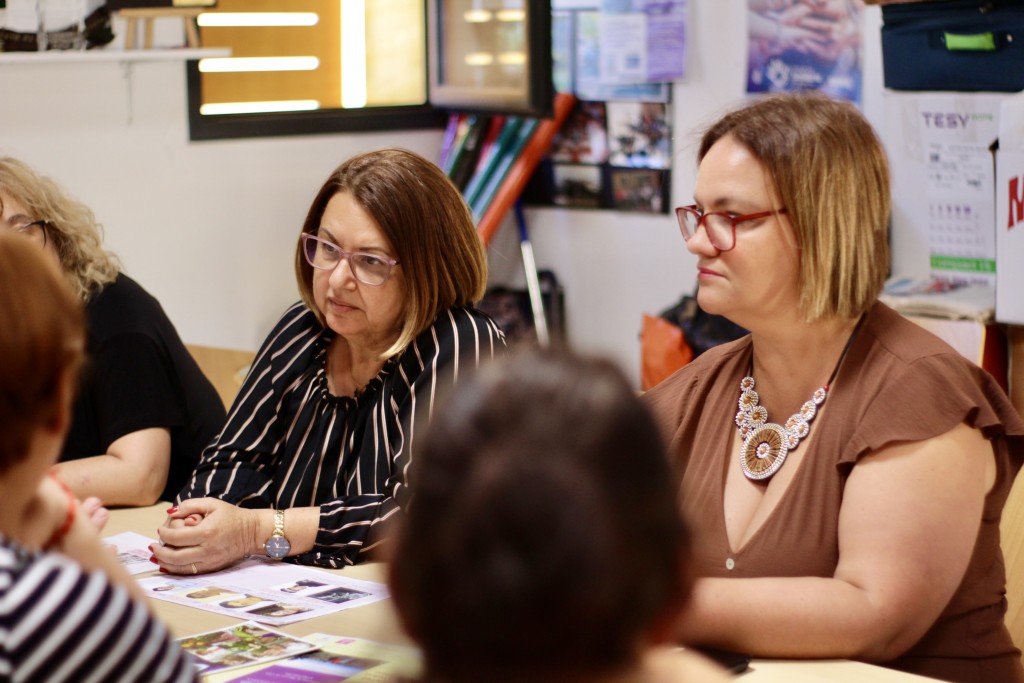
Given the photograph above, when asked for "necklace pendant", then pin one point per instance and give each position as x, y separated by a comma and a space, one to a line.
764, 450
766, 444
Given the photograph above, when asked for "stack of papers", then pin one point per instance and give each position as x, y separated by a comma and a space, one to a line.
941, 298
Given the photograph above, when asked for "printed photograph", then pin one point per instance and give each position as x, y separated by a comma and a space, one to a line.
339, 595
577, 185
640, 190
639, 135
583, 138
278, 610
241, 645
301, 585
169, 583
242, 601
208, 593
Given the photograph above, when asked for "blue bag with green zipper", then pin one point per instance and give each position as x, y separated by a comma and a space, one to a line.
960, 45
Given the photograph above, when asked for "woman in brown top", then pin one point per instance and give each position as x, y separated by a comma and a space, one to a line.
844, 469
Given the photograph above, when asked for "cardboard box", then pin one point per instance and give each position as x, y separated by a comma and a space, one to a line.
1010, 212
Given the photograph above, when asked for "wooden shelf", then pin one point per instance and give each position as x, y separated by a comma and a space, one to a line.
108, 55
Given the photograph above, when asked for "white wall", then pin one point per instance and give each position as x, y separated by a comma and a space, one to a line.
616, 266
209, 227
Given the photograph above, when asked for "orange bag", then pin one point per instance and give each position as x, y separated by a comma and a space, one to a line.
663, 350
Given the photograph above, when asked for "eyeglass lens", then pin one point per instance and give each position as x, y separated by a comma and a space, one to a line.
719, 228
367, 268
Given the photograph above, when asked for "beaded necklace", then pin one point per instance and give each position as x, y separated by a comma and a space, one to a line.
766, 444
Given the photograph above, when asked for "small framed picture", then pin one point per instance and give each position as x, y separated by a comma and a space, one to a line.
639, 135
577, 185
639, 189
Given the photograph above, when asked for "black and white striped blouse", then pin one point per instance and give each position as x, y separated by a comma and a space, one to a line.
59, 623
288, 442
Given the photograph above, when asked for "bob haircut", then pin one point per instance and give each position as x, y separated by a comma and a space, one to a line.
427, 223
71, 225
830, 172
543, 536
41, 344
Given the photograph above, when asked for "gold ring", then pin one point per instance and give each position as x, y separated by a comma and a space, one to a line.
194, 570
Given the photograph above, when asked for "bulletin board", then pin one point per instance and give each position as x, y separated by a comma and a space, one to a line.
615, 150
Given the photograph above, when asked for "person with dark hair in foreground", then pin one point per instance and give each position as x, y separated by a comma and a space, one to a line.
543, 540
68, 610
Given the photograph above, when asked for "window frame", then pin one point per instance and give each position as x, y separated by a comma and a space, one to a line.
537, 97
320, 121
432, 114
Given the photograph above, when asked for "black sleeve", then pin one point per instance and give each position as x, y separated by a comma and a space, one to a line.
132, 387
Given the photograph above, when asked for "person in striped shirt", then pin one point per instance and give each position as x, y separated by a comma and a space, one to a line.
68, 610
311, 464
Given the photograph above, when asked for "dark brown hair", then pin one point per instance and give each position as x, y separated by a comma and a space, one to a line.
41, 343
426, 221
543, 534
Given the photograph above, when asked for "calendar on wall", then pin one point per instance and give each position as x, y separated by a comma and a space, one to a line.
943, 181
958, 234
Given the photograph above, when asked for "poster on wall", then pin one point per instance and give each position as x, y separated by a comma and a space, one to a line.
589, 54
614, 151
643, 41
805, 45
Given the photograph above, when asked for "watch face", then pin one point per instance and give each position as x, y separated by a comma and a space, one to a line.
277, 547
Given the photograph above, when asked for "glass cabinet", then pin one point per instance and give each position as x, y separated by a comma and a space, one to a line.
316, 66
491, 55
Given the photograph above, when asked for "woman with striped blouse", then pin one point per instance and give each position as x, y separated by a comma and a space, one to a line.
68, 611
311, 464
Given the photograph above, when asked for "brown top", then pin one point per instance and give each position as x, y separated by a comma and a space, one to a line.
897, 383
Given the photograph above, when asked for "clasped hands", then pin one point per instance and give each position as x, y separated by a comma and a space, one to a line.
203, 535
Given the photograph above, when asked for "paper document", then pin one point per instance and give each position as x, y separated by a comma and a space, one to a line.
257, 589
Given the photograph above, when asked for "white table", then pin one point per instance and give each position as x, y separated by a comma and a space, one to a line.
377, 621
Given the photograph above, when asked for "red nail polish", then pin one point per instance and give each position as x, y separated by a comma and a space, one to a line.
164, 571
154, 560
171, 510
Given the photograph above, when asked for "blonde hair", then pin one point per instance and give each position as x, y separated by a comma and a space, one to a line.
829, 170
70, 224
426, 221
